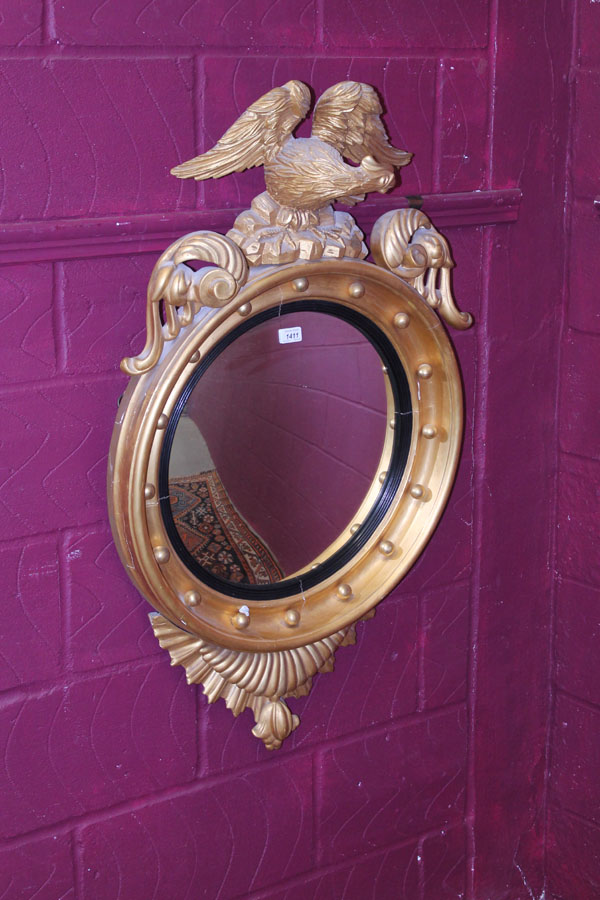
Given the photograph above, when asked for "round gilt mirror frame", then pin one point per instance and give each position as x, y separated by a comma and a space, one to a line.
251, 652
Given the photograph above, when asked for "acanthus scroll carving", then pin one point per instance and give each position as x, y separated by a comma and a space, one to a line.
405, 241
184, 291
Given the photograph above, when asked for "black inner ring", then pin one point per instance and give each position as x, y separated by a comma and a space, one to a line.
400, 449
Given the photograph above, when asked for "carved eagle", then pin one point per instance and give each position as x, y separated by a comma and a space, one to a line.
308, 173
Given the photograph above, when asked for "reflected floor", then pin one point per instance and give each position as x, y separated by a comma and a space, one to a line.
210, 526
189, 452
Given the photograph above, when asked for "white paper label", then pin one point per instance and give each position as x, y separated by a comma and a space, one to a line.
290, 335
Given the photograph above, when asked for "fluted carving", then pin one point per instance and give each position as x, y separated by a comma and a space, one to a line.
255, 680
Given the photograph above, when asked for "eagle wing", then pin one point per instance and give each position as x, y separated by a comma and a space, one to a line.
347, 116
255, 137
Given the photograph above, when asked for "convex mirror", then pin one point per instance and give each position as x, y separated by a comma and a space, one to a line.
274, 465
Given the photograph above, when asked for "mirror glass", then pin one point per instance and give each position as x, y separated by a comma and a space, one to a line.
277, 446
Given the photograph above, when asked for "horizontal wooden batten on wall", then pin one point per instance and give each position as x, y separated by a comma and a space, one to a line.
58, 239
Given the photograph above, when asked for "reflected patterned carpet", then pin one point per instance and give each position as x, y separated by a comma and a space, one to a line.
215, 534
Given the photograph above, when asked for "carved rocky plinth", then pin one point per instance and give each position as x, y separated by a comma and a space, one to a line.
271, 234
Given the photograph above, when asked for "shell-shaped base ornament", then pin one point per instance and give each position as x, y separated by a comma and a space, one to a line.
255, 680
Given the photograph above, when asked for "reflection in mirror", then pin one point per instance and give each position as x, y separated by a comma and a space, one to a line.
277, 447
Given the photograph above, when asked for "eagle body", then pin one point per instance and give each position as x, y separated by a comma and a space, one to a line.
347, 156
308, 173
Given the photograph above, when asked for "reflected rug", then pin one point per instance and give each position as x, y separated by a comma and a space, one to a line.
215, 534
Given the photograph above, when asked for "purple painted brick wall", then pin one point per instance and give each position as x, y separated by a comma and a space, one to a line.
574, 821
420, 769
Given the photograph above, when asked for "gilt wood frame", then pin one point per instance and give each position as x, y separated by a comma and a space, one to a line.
291, 244
275, 650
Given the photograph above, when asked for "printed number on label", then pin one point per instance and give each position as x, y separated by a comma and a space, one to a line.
290, 335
